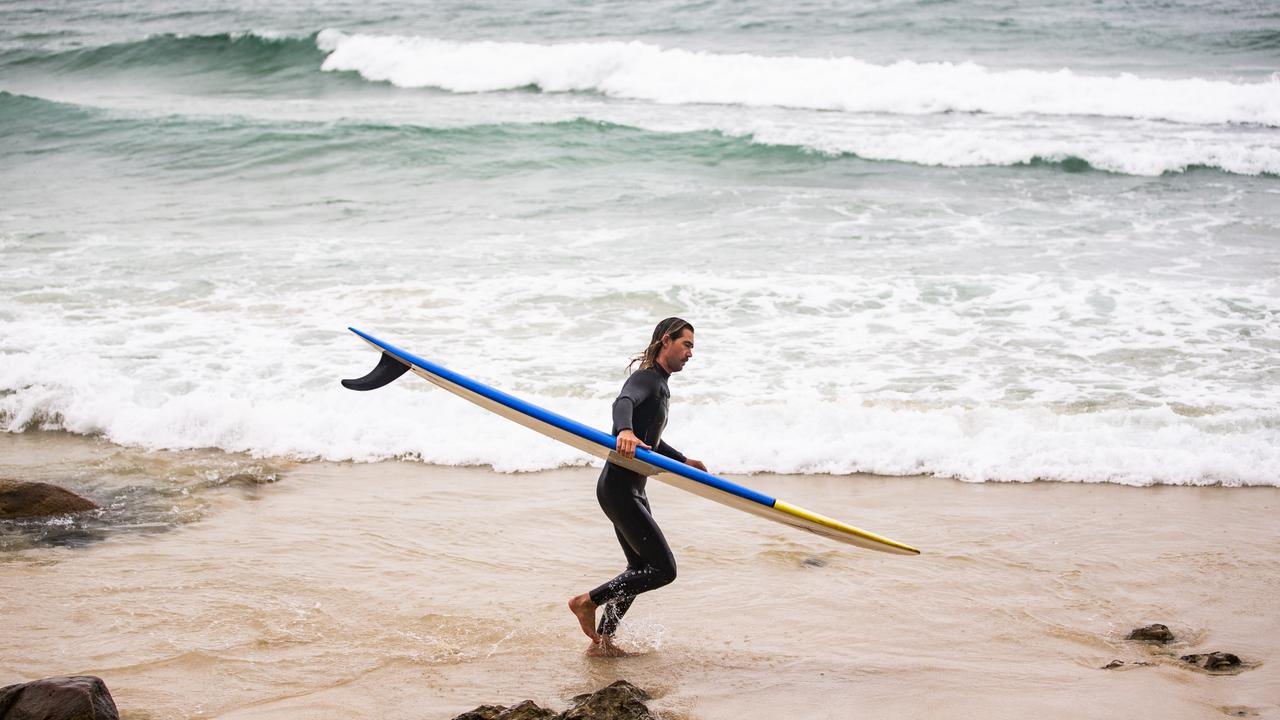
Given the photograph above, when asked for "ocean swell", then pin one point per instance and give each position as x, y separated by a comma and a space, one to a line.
194, 141
239, 55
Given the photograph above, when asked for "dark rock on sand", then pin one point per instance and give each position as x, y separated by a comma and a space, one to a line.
1152, 633
78, 697
619, 701
20, 499
1120, 663
527, 710
1214, 661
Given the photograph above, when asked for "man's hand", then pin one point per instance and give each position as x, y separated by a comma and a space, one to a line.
695, 463
628, 442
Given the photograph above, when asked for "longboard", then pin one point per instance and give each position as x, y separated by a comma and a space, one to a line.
395, 362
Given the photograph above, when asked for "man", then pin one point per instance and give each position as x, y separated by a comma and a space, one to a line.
639, 416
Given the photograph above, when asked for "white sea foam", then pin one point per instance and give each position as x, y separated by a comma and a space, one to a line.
1131, 147
642, 71
1144, 447
1009, 378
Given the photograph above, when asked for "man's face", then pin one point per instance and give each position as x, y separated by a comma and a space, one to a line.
675, 353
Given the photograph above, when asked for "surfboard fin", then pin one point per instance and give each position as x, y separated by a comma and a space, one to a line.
385, 373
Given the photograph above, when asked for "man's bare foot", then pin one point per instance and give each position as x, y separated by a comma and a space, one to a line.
604, 647
585, 611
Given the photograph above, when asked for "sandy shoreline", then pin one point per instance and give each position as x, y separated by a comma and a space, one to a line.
404, 590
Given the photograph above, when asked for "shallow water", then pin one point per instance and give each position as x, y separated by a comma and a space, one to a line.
402, 590
137, 491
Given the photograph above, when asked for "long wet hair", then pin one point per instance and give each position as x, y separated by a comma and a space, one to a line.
672, 327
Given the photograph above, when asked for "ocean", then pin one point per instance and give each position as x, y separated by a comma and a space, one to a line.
990, 241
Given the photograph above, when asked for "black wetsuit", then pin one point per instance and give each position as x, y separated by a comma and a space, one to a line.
641, 408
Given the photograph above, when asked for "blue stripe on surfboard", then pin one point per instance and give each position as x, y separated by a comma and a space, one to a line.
571, 426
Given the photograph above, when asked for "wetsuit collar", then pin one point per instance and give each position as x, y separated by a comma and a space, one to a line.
661, 370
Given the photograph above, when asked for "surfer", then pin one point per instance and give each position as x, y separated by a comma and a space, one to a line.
639, 416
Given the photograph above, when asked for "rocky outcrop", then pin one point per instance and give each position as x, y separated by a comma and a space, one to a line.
1121, 663
527, 710
1156, 633
1215, 661
20, 499
78, 697
1218, 663
619, 701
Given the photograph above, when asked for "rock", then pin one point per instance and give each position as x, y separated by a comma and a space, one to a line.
78, 697
1121, 663
527, 710
1152, 633
814, 562
20, 499
619, 701
1214, 661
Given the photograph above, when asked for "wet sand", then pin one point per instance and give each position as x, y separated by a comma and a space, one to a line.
404, 590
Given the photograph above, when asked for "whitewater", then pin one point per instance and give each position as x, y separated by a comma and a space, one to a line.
642, 71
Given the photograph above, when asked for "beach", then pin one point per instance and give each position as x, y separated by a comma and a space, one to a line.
399, 589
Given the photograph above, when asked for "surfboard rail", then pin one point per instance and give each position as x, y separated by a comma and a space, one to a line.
602, 444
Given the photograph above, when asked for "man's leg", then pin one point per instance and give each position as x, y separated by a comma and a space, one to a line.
615, 609
650, 564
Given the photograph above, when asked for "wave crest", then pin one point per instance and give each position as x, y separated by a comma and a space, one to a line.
1157, 446
641, 71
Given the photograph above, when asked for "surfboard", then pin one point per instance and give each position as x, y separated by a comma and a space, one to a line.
395, 362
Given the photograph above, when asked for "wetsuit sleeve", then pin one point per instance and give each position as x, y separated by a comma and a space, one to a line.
665, 449
635, 390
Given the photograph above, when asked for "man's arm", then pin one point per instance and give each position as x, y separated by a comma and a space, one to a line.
674, 454
635, 390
